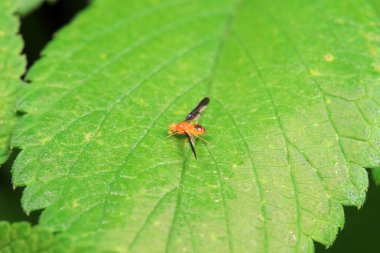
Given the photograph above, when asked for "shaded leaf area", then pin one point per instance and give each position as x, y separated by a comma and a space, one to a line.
12, 66
21, 237
293, 120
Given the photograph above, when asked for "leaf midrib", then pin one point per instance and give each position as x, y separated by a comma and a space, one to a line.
125, 95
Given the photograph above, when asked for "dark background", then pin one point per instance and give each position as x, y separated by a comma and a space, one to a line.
361, 231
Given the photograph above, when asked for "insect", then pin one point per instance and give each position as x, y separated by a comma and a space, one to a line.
190, 126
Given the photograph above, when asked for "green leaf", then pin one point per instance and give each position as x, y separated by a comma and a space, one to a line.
376, 175
24, 7
21, 237
376, 5
293, 119
12, 66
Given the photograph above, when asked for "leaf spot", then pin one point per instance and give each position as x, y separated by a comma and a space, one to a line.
88, 137
340, 21
45, 140
315, 72
103, 56
329, 57
377, 68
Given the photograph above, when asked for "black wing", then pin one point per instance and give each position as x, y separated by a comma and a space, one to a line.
192, 144
197, 110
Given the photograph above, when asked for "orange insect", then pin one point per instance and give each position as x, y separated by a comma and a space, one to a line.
190, 127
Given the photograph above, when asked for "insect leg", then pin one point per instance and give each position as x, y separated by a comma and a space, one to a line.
192, 144
201, 139
172, 134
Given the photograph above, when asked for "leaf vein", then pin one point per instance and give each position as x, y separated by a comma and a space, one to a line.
284, 136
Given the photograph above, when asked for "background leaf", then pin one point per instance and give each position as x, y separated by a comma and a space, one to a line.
376, 175
293, 119
21, 237
12, 66
24, 7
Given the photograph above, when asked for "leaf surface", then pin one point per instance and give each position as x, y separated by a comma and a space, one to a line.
293, 119
12, 66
